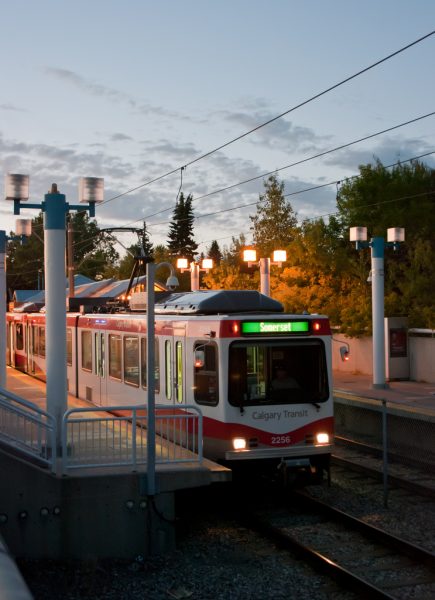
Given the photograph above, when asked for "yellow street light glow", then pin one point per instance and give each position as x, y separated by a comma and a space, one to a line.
279, 256
249, 255
207, 263
182, 263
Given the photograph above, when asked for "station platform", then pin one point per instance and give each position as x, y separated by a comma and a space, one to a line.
171, 477
409, 395
96, 511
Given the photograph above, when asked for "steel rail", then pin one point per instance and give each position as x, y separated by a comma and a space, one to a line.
322, 563
398, 482
380, 535
377, 452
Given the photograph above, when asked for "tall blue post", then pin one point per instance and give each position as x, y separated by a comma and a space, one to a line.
377, 256
55, 210
3, 240
151, 415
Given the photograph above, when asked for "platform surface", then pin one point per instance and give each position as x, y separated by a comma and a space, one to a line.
171, 476
417, 396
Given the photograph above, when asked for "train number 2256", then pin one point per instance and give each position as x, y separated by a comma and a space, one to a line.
280, 440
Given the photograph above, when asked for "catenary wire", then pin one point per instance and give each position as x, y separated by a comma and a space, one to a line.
296, 163
288, 111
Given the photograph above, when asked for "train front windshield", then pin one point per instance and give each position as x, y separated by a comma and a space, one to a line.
277, 372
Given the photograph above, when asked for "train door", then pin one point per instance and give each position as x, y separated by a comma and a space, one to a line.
8, 343
32, 332
174, 356
179, 372
12, 344
100, 368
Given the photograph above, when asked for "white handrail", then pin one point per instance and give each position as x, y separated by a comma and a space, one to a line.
27, 427
113, 440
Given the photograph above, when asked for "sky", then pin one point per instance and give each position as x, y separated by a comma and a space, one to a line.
133, 90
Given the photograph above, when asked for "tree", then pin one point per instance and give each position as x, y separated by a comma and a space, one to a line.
93, 253
275, 224
214, 252
404, 196
231, 273
93, 250
25, 261
146, 247
180, 236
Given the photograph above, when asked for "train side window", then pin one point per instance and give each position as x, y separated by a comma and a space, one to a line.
143, 343
131, 360
69, 347
19, 336
206, 375
41, 348
168, 370
115, 356
86, 350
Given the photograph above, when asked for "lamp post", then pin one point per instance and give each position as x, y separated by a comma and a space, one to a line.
55, 209
250, 256
195, 269
23, 227
396, 235
172, 282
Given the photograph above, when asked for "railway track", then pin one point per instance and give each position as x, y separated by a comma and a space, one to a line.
402, 473
360, 557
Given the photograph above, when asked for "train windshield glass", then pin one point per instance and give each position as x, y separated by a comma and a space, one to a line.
277, 372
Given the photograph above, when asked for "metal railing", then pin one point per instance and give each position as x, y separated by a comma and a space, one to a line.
27, 428
120, 439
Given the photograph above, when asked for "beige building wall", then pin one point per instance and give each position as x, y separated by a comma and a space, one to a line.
421, 350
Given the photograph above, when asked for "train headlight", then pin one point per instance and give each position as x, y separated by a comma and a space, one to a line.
322, 438
239, 444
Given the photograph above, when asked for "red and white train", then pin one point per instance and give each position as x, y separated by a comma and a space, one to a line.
261, 378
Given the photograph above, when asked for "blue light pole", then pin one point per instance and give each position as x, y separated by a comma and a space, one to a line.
55, 209
377, 245
23, 228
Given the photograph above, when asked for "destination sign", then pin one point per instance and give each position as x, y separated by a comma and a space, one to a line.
250, 327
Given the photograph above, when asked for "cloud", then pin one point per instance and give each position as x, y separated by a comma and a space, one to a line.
388, 151
120, 137
281, 134
111, 94
168, 149
11, 107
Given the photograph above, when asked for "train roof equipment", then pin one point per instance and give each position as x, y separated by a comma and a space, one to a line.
214, 302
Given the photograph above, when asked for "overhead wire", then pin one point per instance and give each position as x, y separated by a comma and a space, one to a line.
269, 121
296, 163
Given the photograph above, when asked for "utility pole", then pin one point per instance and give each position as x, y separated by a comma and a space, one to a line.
70, 259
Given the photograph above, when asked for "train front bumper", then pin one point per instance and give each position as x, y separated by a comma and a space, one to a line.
290, 453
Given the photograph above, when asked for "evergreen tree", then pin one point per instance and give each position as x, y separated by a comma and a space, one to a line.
214, 252
93, 251
275, 224
146, 247
180, 236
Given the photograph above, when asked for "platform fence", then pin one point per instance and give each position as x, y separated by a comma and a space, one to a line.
117, 436
404, 438
27, 428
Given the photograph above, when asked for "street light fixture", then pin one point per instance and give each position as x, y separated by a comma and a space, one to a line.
250, 256
195, 269
396, 235
55, 208
23, 227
